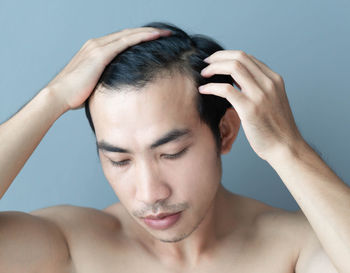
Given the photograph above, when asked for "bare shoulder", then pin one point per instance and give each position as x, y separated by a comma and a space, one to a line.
283, 229
71, 219
35, 241
267, 217
291, 227
307, 253
67, 211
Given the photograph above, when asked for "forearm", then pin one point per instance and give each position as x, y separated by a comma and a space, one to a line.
323, 197
20, 135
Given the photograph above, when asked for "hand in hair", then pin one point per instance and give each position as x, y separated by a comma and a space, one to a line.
73, 85
260, 101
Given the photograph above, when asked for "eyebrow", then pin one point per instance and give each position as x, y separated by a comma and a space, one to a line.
173, 135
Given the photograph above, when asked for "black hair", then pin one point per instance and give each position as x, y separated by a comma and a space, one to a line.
142, 63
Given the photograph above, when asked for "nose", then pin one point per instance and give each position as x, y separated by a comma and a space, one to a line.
150, 188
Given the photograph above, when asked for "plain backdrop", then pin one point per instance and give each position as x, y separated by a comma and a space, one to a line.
307, 42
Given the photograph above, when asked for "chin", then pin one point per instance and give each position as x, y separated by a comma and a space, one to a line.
173, 238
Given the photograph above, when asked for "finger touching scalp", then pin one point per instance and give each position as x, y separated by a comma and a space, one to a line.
130, 31
115, 47
225, 90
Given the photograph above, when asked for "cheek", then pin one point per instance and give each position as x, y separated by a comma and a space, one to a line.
199, 175
113, 177
123, 190
107, 169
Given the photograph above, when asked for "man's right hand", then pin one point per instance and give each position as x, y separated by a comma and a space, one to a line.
20, 135
73, 85
36, 242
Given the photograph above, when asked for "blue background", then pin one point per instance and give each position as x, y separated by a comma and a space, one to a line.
307, 42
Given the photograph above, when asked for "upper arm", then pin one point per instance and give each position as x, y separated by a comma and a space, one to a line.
31, 243
312, 257
316, 261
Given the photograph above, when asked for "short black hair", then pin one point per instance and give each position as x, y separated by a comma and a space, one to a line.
142, 63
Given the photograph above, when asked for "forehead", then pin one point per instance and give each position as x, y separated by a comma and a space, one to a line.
132, 113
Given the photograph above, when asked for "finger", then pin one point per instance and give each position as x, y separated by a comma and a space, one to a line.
271, 74
114, 48
126, 32
258, 74
237, 71
225, 90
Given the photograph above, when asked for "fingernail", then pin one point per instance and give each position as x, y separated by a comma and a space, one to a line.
201, 88
204, 71
166, 32
206, 60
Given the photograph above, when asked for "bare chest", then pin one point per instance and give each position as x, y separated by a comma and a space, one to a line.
101, 253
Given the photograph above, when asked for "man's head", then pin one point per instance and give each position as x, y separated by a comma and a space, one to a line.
145, 93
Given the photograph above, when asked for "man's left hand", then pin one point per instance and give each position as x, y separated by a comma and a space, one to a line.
261, 102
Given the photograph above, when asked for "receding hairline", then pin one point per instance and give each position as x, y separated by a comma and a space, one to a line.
126, 88
161, 74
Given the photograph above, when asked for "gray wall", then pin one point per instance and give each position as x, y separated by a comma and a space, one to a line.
307, 42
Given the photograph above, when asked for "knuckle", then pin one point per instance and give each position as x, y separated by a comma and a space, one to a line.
91, 40
227, 88
241, 54
270, 85
236, 65
92, 43
86, 44
279, 79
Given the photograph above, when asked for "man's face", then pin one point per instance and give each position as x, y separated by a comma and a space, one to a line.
150, 182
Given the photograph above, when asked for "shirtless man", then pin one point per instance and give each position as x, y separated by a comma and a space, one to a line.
210, 229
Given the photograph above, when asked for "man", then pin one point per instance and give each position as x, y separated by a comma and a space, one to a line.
164, 164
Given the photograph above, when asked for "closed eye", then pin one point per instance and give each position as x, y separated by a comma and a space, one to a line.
167, 156
173, 156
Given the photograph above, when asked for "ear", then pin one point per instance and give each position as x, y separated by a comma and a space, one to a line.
229, 127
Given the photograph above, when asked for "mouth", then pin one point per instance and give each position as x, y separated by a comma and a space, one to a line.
162, 220
159, 216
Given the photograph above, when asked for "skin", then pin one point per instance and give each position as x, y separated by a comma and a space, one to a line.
151, 183
218, 231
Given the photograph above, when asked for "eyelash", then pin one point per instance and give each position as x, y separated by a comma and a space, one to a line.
170, 156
